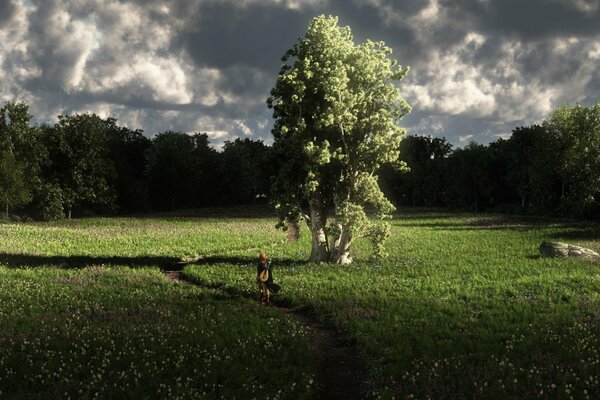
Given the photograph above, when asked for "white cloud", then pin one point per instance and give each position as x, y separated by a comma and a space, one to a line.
451, 86
243, 127
585, 6
464, 138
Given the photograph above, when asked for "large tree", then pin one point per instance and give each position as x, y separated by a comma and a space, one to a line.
336, 108
78, 147
22, 155
575, 133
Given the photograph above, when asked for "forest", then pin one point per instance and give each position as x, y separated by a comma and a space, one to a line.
87, 165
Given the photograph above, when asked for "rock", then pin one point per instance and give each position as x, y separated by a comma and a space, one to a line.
576, 251
554, 249
557, 249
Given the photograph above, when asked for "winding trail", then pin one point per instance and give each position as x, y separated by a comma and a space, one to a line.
338, 376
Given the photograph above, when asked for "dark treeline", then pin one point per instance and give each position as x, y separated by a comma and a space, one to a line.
86, 165
548, 169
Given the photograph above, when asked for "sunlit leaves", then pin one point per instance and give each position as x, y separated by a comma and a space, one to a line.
336, 108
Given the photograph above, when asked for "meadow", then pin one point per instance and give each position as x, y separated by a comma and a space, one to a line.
85, 313
463, 308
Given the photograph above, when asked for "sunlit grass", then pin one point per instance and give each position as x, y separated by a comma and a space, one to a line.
464, 307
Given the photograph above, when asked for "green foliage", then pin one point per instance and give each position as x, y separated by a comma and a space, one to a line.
13, 191
336, 111
80, 164
547, 169
247, 173
21, 156
575, 131
425, 183
469, 166
127, 152
49, 203
182, 171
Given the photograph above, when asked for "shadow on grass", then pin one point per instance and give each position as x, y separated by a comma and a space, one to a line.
591, 233
73, 262
14, 260
240, 260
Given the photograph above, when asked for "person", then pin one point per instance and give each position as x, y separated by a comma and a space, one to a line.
264, 279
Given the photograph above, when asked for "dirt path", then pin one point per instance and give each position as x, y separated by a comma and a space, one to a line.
337, 376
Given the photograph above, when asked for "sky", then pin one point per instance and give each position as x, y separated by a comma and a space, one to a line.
479, 68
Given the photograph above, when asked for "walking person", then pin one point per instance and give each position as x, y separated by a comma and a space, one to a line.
264, 279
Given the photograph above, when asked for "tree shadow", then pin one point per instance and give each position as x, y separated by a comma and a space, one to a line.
241, 260
590, 233
14, 260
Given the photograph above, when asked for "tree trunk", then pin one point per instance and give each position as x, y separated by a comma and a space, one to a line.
293, 231
320, 251
341, 253
69, 213
6, 208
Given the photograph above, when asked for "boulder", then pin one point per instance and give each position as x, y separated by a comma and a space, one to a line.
557, 249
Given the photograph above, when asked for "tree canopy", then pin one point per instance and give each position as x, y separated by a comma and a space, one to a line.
337, 110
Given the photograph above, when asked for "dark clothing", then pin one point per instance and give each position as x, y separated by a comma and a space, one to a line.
260, 267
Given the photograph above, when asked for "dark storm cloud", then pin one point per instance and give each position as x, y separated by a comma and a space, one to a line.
7, 11
224, 34
528, 20
479, 67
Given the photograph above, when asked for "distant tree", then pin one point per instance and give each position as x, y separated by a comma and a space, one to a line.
336, 110
183, 171
208, 173
469, 181
425, 183
523, 146
13, 190
575, 130
80, 162
502, 194
247, 170
127, 151
22, 152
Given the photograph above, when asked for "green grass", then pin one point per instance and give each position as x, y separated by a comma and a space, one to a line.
112, 331
464, 308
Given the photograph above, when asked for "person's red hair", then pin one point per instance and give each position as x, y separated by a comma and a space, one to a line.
262, 257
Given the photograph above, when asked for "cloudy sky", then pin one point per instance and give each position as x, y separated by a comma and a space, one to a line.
479, 68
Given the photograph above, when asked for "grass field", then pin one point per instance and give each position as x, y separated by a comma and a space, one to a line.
118, 329
464, 308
